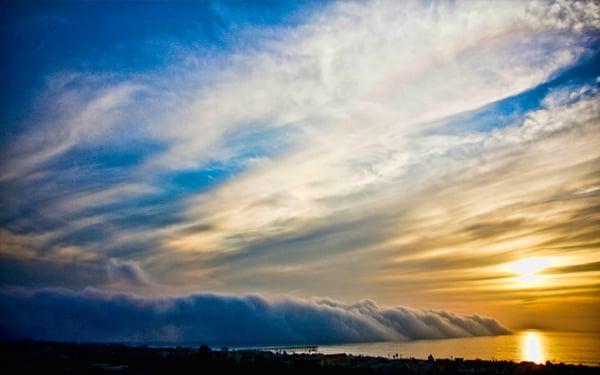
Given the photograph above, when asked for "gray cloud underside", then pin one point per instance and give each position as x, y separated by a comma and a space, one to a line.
95, 315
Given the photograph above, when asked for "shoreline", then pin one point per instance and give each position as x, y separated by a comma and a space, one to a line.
67, 357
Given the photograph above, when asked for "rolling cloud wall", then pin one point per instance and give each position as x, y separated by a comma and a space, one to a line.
96, 315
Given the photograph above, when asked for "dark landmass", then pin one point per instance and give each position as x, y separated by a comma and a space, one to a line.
36, 357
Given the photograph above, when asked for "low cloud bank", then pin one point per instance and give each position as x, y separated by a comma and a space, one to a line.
96, 315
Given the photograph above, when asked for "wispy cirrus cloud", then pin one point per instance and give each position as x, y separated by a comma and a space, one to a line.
71, 117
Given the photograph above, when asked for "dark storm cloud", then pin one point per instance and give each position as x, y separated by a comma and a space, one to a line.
95, 315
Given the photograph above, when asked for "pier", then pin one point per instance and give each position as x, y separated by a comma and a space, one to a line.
297, 348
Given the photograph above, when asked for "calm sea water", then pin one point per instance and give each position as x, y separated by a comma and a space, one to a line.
535, 346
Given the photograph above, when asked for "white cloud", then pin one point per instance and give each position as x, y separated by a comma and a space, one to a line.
363, 69
127, 274
73, 117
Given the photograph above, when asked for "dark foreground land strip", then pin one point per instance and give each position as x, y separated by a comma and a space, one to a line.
35, 357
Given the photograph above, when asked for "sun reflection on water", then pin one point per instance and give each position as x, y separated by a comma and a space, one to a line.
532, 347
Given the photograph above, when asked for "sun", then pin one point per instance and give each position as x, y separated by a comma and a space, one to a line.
529, 266
529, 269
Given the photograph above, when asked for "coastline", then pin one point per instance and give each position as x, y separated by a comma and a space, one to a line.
61, 358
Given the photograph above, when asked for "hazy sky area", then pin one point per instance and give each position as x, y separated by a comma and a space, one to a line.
327, 161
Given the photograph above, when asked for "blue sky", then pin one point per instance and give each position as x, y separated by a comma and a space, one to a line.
406, 152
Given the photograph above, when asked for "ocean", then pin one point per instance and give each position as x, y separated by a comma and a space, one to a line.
528, 345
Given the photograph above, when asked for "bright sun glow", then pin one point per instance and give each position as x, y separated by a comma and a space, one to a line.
529, 269
532, 347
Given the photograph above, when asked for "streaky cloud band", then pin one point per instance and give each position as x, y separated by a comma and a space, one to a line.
104, 316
